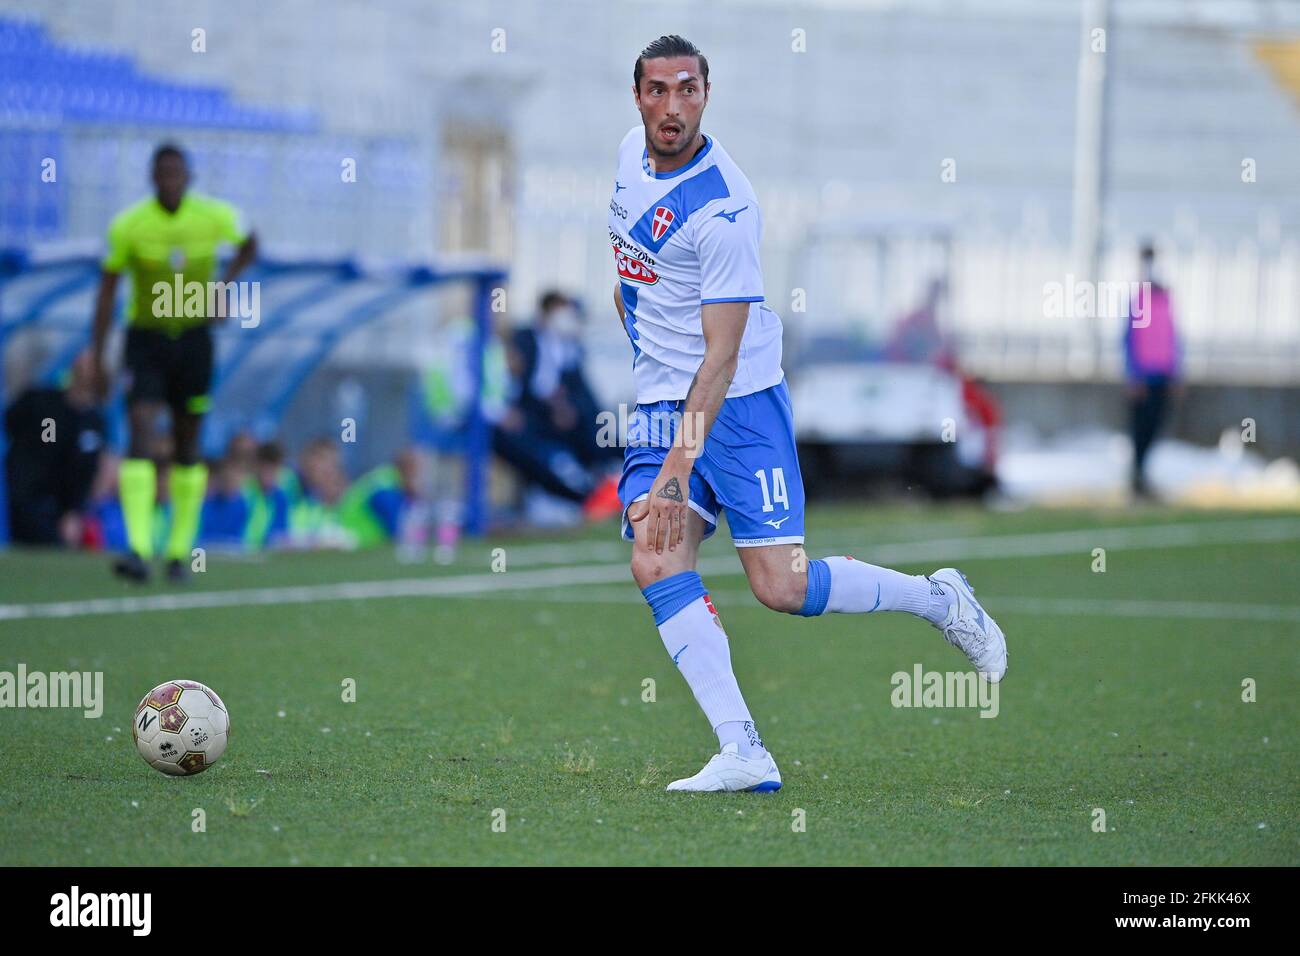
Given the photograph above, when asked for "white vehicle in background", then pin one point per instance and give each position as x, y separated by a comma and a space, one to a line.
873, 381
864, 420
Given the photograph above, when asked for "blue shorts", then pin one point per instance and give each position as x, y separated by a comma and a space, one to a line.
749, 467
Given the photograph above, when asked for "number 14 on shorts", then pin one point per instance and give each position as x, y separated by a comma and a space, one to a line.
778, 494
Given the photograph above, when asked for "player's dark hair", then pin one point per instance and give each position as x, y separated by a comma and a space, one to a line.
669, 46
169, 149
550, 299
270, 453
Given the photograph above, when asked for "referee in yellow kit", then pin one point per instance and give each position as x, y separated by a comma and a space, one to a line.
166, 242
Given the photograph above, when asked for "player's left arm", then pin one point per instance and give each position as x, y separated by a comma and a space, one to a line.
726, 237
618, 307
724, 327
245, 255
244, 240
665, 509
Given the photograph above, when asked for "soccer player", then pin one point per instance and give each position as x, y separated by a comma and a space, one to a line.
685, 226
166, 242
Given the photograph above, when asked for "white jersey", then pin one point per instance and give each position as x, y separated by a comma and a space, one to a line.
682, 239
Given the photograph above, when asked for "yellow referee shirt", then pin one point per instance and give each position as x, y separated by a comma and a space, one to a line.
165, 253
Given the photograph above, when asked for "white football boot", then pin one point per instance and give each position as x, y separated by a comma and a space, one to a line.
730, 771
969, 629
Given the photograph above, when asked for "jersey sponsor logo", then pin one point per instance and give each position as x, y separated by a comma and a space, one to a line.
729, 216
634, 271
663, 218
777, 524
618, 187
617, 210
631, 249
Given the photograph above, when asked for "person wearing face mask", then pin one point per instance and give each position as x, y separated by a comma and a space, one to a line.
550, 431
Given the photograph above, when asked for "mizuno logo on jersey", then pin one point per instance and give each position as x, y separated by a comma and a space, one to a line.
729, 216
634, 271
777, 524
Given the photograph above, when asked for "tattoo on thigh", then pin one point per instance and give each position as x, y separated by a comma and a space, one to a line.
672, 490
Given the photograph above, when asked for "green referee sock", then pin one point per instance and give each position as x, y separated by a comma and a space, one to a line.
187, 484
137, 484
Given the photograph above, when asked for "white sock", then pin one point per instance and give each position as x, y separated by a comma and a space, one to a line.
743, 734
858, 588
696, 642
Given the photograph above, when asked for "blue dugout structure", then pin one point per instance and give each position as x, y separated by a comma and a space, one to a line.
259, 369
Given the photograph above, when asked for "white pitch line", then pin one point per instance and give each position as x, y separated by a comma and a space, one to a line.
955, 548
457, 586
1048, 543
473, 585
1119, 607
1046, 607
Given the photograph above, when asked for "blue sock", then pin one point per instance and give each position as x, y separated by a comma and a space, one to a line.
819, 589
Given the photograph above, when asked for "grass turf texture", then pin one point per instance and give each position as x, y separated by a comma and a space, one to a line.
530, 701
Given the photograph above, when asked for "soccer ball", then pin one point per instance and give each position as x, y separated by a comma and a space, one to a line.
181, 728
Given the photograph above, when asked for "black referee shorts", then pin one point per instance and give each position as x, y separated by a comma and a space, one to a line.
177, 371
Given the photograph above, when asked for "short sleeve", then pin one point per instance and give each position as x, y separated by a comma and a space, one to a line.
119, 246
727, 241
232, 228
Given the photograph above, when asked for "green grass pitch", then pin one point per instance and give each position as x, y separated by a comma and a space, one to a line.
1124, 694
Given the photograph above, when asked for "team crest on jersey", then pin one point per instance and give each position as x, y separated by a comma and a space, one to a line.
663, 218
634, 271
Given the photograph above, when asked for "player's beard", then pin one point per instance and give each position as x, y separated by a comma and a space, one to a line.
685, 140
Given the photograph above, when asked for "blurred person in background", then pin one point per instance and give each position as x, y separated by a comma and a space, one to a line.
166, 241
549, 432
227, 506
55, 439
978, 438
387, 503
242, 451
440, 406
272, 489
1152, 363
102, 527
314, 518
917, 337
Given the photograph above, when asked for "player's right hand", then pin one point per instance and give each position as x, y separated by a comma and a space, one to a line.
664, 511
